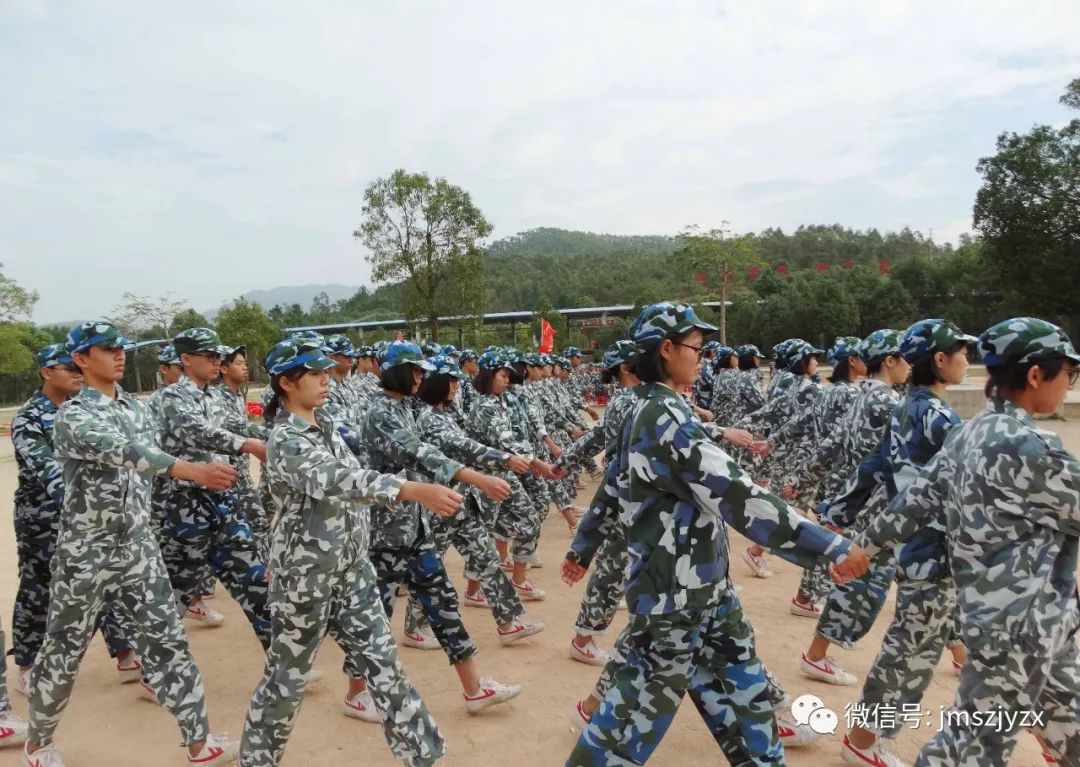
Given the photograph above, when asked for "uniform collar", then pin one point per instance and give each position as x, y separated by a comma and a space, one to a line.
1011, 409
41, 402
91, 396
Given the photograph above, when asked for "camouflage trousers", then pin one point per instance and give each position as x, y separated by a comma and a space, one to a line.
347, 605
1018, 685
708, 653
515, 519
909, 653
249, 503
35, 540
421, 569
539, 495
5, 702
816, 582
466, 531
130, 576
203, 529
605, 586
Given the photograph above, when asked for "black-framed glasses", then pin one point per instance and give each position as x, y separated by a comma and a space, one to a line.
697, 349
207, 355
1074, 376
68, 369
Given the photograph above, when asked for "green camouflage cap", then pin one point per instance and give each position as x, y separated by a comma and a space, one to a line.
842, 348
493, 360
103, 334
879, 345
571, 351
927, 336
431, 349
746, 351
799, 350
295, 353
532, 359
339, 344
310, 335
444, 365
365, 351
1024, 339
618, 353
167, 355
563, 362
667, 318
492, 349
53, 355
404, 353
195, 340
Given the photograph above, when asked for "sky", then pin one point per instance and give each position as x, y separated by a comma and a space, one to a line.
210, 148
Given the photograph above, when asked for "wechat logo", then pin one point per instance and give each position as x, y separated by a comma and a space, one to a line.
810, 711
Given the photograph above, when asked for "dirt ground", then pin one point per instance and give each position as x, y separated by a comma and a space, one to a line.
107, 725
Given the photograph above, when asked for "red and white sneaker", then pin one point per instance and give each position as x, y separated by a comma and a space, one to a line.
826, 670
519, 628
147, 693
507, 565
203, 613
792, 734
590, 654
424, 639
804, 609
579, 720
756, 564
362, 706
131, 672
46, 756
529, 593
475, 600
957, 667
12, 729
491, 693
217, 751
876, 756
1049, 758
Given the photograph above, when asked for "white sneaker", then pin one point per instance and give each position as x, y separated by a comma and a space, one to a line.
213, 591
491, 693
475, 600
12, 729
578, 719
203, 613
47, 756
217, 751
519, 628
590, 654
529, 593
622, 604
362, 706
804, 610
146, 692
22, 682
876, 756
313, 677
424, 639
756, 564
826, 670
792, 734
536, 564
130, 673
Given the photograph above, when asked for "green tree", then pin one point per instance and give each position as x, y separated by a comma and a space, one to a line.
245, 323
15, 301
426, 233
720, 255
187, 319
15, 357
1028, 211
290, 316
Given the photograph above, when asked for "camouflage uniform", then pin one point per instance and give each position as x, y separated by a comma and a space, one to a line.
736, 395
537, 490
246, 495
402, 547
676, 492
159, 486
106, 554
39, 499
466, 530
204, 527
324, 582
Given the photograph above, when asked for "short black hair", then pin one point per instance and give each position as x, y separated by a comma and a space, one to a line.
435, 389
398, 379
649, 365
924, 370
1013, 377
872, 369
802, 367
748, 363
841, 371
228, 359
482, 382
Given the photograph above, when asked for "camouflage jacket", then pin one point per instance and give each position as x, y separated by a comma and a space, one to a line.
491, 422
736, 394
392, 443
320, 492
41, 483
797, 428
532, 400
341, 400
776, 409
703, 386
917, 430
1009, 493
107, 452
524, 427
154, 403
838, 455
566, 403
677, 492
441, 429
603, 436
829, 409
235, 406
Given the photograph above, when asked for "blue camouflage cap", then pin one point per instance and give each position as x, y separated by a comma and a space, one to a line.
295, 353
310, 335
339, 344
879, 345
404, 353
442, 364
746, 351
197, 340
667, 318
53, 355
563, 362
798, 351
467, 354
571, 351
103, 334
619, 353
448, 350
723, 352
843, 348
493, 361
532, 359
932, 335
167, 355
1024, 339
431, 349
492, 349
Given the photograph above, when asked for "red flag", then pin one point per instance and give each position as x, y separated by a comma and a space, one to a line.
822, 266
547, 337
754, 272
701, 277
883, 267
782, 269
849, 264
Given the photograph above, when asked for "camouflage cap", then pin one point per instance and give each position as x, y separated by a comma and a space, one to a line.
513, 355
431, 349
310, 335
571, 351
711, 346
564, 363
493, 360
879, 345
448, 350
230, 351
167, 355
532, 359
103, 334
1024, 339
619, 353
339, 344
492, 349
842, 348
404, 353
379, 348
294, 353
195, 340
443, 365
365, 351
53, 355
467, 354
798, 351
667, 318
724, 352
927, 336
746, 351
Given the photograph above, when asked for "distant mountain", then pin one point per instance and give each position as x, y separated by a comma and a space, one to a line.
293, 294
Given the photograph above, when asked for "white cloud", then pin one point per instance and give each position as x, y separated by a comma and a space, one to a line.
225, 146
